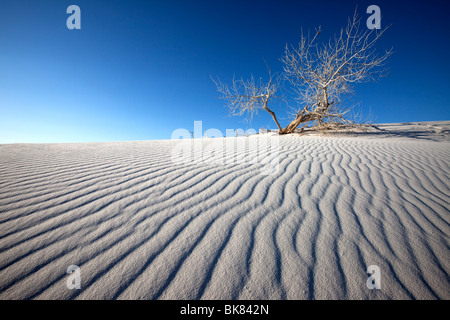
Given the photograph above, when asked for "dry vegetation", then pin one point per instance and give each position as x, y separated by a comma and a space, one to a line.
319, 76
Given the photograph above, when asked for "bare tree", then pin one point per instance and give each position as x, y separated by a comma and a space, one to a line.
320, 74
249, 96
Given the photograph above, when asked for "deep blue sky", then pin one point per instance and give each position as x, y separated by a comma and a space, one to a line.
137, 70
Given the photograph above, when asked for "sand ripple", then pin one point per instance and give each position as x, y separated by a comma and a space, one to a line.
141, 227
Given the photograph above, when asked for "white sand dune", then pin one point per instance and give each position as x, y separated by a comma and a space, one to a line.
140, 226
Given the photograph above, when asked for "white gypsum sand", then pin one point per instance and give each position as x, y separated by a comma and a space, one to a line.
140, 225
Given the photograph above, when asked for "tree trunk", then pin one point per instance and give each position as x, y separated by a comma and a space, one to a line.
273, 116
294, 124
325, 99
304, 116
323, 106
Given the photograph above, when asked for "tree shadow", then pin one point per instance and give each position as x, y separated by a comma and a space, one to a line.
418, 131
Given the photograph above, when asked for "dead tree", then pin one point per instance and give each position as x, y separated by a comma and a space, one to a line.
250, 96
320, 74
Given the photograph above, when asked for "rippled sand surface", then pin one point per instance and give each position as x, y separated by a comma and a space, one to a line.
141, 225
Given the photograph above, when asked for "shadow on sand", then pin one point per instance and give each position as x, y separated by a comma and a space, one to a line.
439, 131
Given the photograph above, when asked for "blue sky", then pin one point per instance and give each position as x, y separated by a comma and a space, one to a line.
138, 70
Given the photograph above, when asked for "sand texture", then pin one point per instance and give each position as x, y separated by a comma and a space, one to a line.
140, 225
